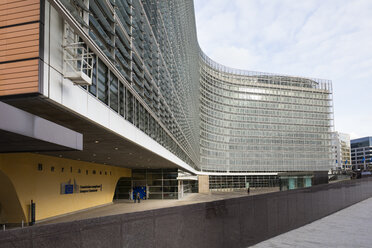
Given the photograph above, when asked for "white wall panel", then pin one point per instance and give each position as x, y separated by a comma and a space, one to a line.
74, 97
55, 82
56, 38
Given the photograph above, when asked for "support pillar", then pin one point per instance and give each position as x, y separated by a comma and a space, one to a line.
203, 182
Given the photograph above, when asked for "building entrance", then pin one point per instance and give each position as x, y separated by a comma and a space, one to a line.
127, 188
150, 183
123, 188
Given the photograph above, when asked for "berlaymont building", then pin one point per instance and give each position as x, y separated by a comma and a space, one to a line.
102, 98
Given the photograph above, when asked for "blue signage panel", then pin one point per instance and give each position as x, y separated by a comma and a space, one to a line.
69, 188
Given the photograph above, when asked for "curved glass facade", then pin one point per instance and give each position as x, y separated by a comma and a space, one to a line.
212, 117
263, 122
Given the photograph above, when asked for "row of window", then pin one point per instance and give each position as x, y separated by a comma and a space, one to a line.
326, 108
220, 182
266, 154
255, 155
322, 99
210, 124
247, 85
263, 141
242, 77
267, 166
211, 145
227, 110
264, 119
291, 134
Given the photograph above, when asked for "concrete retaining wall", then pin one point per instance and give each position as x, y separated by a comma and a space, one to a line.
237, 222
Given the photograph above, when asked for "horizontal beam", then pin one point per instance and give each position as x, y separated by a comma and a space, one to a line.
21, 131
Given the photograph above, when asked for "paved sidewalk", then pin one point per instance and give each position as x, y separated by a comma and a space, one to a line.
127, 206
350, 227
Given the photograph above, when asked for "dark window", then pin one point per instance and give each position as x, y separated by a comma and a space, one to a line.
136, 113
94, 172
105, 172
63, 169
79, 171
129, 106
93, 87
121, 99
141, 117
102, 82
114, 93
71, 169
86, 172
40, 167
52, 168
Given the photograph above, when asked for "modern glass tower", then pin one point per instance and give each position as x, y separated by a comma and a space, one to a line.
98, 90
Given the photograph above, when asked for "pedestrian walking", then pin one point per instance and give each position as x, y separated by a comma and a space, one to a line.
248, 187
130, 194
138, 197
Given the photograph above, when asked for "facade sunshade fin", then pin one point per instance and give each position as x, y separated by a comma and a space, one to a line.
75, 13
99, 43
81, 5
95, 10
106, 9
100, 30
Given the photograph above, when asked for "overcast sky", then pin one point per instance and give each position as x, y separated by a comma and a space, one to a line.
327, 39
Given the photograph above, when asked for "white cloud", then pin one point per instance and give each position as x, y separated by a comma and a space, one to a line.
314, 38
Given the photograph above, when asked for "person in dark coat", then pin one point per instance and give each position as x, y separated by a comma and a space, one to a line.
138, 197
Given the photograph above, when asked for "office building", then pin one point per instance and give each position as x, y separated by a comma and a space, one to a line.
361, 153
342, 151
96, 92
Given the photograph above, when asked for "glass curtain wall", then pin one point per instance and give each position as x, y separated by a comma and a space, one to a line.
263, 122
154, 81
159, 183
240, 182
214, 118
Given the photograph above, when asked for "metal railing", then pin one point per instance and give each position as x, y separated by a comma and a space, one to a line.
78, 63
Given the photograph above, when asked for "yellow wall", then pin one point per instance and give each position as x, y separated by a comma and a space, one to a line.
10, 207
44, 187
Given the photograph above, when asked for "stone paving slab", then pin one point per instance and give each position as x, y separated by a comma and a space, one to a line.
127, 206
350, 227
